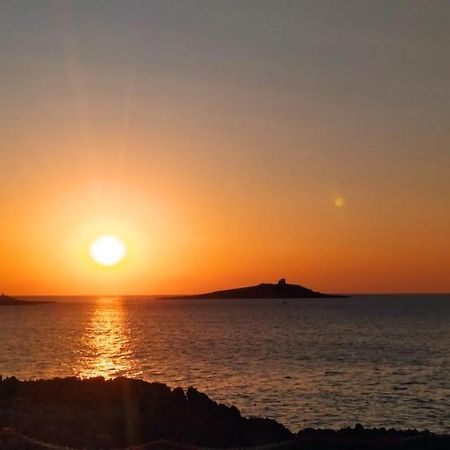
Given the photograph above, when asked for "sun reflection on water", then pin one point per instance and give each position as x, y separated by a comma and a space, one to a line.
107, 342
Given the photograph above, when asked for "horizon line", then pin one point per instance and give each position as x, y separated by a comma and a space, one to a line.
198, 293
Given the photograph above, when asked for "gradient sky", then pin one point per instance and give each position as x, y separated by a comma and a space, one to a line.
215, 138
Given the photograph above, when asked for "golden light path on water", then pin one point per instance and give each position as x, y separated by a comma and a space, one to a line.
107, 343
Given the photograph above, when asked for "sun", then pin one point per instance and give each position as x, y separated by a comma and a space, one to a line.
108, 250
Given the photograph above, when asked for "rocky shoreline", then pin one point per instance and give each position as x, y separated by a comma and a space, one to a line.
133, 414
6, 300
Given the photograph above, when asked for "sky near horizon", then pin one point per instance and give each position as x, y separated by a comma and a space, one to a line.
227, 143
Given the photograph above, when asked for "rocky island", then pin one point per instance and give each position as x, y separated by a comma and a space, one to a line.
5, 300
282, 289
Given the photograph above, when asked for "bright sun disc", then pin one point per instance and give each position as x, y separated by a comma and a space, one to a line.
108, 250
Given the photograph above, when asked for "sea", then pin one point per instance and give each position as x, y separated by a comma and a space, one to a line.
378, 360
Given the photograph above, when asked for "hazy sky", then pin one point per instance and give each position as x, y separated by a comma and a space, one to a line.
215, 138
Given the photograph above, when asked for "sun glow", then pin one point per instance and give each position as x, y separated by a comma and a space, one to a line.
108, 250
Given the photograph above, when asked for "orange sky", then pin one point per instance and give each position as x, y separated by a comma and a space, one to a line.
217, 152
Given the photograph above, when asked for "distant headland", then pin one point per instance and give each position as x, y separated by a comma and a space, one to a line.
5, 300
282, 289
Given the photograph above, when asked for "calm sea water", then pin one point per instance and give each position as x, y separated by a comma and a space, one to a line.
378, 360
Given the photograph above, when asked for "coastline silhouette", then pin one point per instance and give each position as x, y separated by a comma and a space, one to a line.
123, 413
6, 300
282, 289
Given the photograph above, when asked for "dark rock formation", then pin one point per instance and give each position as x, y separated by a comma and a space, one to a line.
136, 415
5, 300
265, 290
360, 438
123, 412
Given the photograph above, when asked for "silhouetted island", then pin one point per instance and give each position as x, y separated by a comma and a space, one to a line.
5, 300
264, 290
126, 413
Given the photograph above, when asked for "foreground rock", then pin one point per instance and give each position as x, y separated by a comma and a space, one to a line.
264, 290
136, 415
96, 413
360, 438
